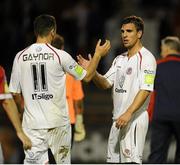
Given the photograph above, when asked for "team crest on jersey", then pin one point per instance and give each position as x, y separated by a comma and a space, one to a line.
129, 71
121, 81
38, 49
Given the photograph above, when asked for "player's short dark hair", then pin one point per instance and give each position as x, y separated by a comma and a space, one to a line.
137, 21
172, 42
43, 24
58, 41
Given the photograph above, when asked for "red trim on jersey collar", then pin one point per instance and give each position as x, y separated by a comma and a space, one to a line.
140, 55
54, 52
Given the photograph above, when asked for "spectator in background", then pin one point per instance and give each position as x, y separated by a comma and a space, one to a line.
164, 106
131, 78
9, 106
74, 95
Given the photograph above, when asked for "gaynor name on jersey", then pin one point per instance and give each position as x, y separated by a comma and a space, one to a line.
38, 56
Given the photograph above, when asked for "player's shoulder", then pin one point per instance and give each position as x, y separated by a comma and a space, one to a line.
19, 53
121, 56
58, 51
147, 54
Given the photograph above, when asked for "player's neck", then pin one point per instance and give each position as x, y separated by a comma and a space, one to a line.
43, 40
136, 48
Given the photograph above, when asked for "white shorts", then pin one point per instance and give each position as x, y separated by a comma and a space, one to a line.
126, 145
57, 139
1, 155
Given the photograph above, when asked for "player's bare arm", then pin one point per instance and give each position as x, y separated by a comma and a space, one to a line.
100, 51
137, 103
98, 79
18, 100
12, 112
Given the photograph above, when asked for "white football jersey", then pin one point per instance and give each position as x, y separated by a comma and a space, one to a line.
39, 72
128, 76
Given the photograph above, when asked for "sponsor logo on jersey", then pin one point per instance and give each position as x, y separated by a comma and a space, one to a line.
38, 56
149, 71
120, 81
120, 90
44, 96
73, 65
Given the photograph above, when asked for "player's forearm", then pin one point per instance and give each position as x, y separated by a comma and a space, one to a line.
92, 67
138, 101
100, 81
12, 112
18, 100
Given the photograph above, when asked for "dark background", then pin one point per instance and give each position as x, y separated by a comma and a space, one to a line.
82, 23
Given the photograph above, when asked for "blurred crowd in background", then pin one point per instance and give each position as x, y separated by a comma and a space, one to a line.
82, 23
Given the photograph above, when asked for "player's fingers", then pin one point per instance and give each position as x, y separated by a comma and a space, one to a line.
120, 124
79, 58
106, 46
89, 57
99, 42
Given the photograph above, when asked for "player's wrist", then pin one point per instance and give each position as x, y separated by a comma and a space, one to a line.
98, 54
130, 112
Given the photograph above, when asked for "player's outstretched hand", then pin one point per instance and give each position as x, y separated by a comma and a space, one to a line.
83, 62
102, 50
25, 140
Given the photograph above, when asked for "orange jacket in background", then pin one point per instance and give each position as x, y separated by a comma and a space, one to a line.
74, 91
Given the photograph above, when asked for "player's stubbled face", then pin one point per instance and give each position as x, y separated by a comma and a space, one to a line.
129, 35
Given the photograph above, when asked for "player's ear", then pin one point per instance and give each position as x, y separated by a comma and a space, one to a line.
140, 33
53, 33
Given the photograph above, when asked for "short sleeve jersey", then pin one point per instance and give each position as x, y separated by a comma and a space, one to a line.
39, 72
128, 76
74, 91
4, 91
